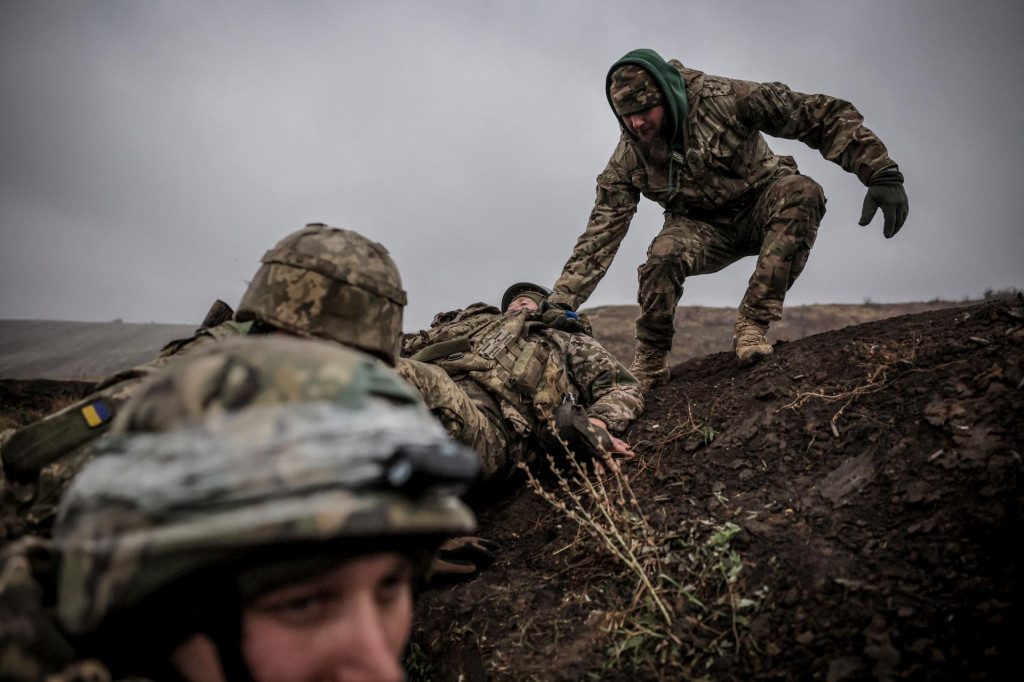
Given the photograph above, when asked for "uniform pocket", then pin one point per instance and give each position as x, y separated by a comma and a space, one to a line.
528, 369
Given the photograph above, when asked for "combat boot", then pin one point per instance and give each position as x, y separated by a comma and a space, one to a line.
650, 366
749, 342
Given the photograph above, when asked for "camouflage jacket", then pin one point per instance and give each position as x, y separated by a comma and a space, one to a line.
38, 460
33, 647
529, 368
726, 163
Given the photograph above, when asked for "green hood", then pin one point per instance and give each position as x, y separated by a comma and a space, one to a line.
673, 87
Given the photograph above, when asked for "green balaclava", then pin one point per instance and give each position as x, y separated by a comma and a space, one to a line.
642, 79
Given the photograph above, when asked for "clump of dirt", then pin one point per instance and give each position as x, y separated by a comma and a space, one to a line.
848, 509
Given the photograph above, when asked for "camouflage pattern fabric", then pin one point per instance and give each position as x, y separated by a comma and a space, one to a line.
330, 283
31, 646
632, 89
727, 165
267, 475
255, 442
467, 419
513, 377
779, 227
48, 453
260, 370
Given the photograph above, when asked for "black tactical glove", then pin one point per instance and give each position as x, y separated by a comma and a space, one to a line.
885, 190
462, 558
559, 316
570, 427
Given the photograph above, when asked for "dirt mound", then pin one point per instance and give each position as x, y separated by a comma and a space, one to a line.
702, 330
849, 509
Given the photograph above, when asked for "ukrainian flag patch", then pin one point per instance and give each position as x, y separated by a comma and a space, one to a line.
96, 414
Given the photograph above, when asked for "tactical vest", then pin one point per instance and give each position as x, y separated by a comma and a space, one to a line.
499, 353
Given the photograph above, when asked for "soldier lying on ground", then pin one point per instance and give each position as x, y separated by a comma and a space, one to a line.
259, 511
510, 382
693, 143
318, 282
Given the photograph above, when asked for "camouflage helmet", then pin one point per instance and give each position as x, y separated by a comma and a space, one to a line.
521, 289
247, 371
333, 284
196, 490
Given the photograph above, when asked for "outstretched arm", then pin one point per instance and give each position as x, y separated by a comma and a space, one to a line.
609, 392
836, 128
591, 257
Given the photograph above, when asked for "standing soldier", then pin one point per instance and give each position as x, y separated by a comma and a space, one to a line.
693, 143
509, 382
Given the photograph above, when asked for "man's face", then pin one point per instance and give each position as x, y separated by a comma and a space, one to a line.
522, 303
349, 623
645, 124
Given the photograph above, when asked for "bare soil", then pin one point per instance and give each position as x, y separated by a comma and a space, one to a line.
849, 509
868, 484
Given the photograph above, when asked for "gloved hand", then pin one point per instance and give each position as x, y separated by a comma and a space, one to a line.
885, 190
462, 558
559, 316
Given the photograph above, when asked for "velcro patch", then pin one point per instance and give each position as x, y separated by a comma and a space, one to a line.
96, 413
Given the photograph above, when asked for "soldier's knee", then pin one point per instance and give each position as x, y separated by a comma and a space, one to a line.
663, 267
805, 192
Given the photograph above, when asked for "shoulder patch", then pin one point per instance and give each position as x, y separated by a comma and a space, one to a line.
97, 413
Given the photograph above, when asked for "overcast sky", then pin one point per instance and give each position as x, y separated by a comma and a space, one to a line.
152, 150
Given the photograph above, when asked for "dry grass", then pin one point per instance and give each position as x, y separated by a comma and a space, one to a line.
884, 365
688, 603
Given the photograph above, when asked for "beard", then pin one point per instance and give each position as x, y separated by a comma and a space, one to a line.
657, 151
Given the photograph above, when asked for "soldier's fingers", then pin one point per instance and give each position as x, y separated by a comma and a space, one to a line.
622, 447
868, 211
610, 463
901, 217
889, 229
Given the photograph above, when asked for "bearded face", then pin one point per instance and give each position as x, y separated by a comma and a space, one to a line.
657, 150
650, 127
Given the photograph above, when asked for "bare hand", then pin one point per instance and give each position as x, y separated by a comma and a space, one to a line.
619, 447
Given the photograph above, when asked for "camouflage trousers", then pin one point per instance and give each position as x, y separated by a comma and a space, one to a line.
778, 226
465, 418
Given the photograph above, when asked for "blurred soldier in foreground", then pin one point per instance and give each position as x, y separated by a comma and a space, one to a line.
693, 143
318, 282
514, 381
260, 511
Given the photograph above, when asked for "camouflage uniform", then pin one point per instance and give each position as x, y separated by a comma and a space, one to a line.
40, 459
725, 195
495, 380
317, 282
254, 457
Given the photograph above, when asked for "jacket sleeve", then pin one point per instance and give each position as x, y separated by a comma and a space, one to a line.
829, 124
608, 390
614, 207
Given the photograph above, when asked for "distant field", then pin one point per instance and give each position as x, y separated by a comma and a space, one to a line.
48, 349
45, 349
